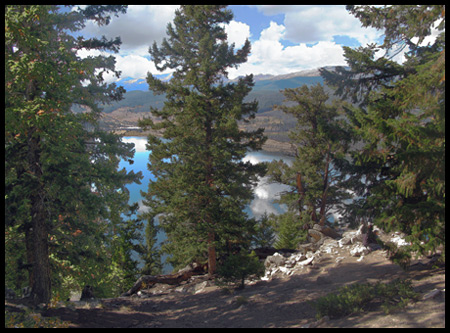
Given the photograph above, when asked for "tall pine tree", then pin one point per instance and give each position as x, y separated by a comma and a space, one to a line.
202, 184
63, 193
321, 139
400, 118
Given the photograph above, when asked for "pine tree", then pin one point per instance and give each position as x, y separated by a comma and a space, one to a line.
151, 254
63, 193
201, 184
316, 176
400, 120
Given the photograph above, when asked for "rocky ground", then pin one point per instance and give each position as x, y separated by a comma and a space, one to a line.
281, 299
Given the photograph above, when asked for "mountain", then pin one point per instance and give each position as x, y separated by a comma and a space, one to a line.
289, 80
131, 84
267, 91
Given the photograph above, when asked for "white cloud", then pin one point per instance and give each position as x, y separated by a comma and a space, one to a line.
144, 24
138, 28
269, 56
130, 65
135, 66
237, 33
312, 30
312, 23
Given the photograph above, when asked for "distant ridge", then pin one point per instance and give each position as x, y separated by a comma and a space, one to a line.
131, 84
314, 72
267, 91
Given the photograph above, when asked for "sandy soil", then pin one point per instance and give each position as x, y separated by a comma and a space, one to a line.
281, 302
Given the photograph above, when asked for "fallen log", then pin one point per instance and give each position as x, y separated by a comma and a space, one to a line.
147, 281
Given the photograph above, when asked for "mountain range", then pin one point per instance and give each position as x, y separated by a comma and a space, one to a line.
131, 84
138, 99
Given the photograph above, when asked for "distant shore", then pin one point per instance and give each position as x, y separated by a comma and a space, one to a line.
271, 146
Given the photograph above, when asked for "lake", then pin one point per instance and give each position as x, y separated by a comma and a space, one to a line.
265, 193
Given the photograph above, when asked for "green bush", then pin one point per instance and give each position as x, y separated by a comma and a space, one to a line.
356, 298
237, 267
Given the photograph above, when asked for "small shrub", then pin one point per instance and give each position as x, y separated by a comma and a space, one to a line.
400, 256
348, 300
29, 319
238, 267
355, 298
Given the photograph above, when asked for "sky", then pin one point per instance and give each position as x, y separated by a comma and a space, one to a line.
284, 38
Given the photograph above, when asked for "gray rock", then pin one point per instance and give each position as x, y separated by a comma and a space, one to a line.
359, 250
200, 287
277, 260
432, 294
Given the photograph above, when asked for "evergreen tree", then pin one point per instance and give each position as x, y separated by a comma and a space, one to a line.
201, 184
151, 254
400, 120
63, 193
289, 231
316, 176
264, 235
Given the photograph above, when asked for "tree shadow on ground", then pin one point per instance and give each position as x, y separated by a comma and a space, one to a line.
281, 302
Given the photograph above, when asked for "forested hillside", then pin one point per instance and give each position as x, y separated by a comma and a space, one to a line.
267, 92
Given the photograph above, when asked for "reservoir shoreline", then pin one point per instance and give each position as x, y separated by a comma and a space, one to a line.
271, 146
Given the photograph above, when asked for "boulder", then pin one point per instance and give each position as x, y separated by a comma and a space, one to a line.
328, 245
432, 294
305, 262
304, 248
399, 239
277, 260
328, 231
351, 237
359, 250
200, 287
345, 241
315, 235
318, 232
323, 242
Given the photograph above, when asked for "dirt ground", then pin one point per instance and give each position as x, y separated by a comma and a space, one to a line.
281, 302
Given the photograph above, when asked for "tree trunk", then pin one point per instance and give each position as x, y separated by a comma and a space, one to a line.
301, 193
37, 235
211, 254
41, 287
210, 183
325, 188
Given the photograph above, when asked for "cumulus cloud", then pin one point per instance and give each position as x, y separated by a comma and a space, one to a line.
313, 23
311, 30
270, 56
139, 27
237, 33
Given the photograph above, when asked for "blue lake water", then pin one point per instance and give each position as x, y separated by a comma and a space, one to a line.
265, 193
